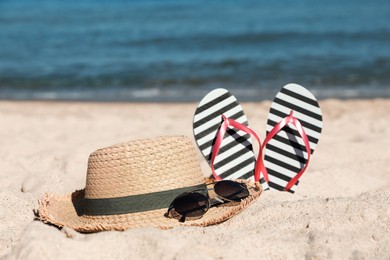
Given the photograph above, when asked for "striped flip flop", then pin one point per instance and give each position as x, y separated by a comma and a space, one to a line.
293, 130
235, 159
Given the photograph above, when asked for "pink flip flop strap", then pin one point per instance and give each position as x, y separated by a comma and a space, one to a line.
226, 123
289, 119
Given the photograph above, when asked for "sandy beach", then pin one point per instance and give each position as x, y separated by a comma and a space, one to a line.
341, 209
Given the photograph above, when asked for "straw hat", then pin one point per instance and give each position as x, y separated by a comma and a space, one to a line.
132, 184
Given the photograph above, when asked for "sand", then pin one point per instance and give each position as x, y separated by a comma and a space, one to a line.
341, 208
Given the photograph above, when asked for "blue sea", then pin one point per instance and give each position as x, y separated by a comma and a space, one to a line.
147, 50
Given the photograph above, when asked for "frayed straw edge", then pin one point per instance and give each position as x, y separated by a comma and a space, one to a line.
45, 216
43, 213
44, 205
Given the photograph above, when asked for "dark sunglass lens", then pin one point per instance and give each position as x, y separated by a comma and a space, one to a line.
231, 190
191, 205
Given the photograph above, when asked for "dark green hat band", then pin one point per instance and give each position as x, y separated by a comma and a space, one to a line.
135, 203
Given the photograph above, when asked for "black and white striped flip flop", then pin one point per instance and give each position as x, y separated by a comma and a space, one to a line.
236, 158
285, 154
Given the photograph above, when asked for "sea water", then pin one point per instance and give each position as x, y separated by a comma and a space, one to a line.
147, 50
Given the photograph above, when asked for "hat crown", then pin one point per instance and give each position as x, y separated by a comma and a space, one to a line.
142, 167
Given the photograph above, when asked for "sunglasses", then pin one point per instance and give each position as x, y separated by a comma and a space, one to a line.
194, 204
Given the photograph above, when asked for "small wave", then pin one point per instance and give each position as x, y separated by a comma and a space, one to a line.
215, 40
146, 93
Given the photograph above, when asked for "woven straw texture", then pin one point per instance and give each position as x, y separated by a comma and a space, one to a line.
133, 168
142, 166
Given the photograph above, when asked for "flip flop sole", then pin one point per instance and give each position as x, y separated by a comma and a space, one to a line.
285, 155
236, 159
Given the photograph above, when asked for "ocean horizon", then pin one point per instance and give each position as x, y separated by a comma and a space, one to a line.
177, 51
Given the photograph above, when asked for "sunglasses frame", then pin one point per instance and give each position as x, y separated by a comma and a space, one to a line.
210, 202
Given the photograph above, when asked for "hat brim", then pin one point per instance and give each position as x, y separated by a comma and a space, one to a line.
64, 211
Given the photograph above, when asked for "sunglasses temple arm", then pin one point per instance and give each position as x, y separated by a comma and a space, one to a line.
226, 122
289, 119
